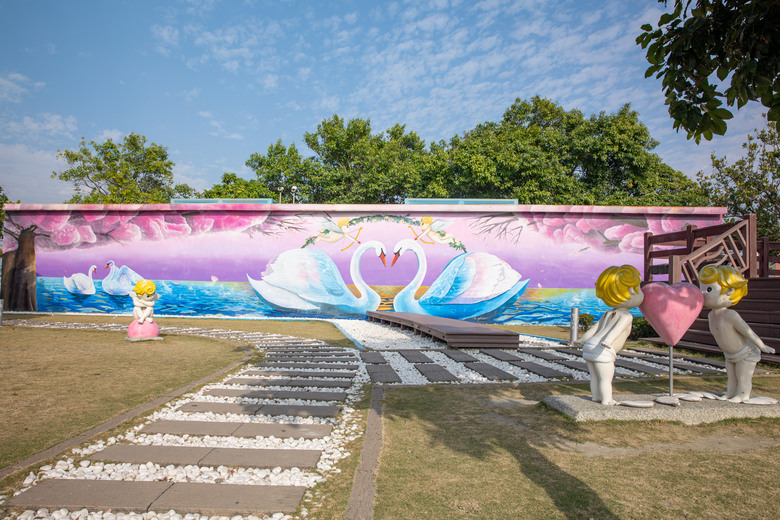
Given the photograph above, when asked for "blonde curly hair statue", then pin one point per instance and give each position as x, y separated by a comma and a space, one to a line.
728, 278
145, 287
613, 284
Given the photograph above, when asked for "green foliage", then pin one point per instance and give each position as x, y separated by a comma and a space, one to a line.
751, 184
719, 39
121, 173
586, 321
640, 328
235, 187
539, 153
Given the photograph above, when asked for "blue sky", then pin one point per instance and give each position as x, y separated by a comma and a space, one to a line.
217, 81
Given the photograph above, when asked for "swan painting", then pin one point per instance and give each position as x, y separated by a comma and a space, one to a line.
307, 281
474, 285
80, 283
120, 280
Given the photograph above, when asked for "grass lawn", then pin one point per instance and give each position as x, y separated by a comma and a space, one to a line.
460, 452
309, 329
56, 384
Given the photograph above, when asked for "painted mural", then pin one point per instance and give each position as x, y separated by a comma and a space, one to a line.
504, 264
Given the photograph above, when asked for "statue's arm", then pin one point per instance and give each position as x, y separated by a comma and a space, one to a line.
744, 329
589, 333
620, 330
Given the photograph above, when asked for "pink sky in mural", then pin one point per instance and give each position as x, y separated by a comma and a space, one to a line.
551, 249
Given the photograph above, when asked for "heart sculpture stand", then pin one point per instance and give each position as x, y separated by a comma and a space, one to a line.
671, 310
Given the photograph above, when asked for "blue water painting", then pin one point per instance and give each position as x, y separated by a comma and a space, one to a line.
236, 299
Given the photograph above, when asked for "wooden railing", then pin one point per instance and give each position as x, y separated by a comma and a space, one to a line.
683, 253
768, 263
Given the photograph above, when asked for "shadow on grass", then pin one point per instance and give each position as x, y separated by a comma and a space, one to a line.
458, 419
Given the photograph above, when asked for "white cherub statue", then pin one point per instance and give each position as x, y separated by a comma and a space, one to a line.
144, 295
722, 287
619, 288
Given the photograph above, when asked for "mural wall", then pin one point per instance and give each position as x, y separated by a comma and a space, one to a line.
505, 264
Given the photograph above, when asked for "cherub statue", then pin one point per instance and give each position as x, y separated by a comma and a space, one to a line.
144, 295
722, 287
619, 288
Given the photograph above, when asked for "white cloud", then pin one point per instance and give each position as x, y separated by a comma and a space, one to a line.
167, 36
25, 174
113, 134
49, 125
191, 95
13, 86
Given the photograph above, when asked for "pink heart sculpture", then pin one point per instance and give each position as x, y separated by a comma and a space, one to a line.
671, 309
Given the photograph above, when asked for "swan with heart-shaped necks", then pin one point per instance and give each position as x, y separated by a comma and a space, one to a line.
307, 281
80, 283
120, 280
474, 285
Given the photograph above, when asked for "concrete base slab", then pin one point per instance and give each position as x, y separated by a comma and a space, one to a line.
581, 408
277, 394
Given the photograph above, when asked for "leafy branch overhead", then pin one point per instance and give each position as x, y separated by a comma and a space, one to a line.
703, 46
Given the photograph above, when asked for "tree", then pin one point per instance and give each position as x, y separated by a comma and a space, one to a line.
235, 187
121, 173
284, 167
716, 38
751, 184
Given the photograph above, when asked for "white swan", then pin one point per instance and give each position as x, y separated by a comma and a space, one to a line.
308, 281
120, 280
474, 285
80, 283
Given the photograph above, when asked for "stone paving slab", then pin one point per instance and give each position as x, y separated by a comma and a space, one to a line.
319, 383
435, 373
489, 371
500, 355
329, 366
540, 370
694, 368
541, 354
94, 495
382, 374
307, 359
373, 357
414, 356
277, 394
183, 497
298, 373
570, 350
203, 456
458, 355
640, 367
220, 408
576, 365
239, 429
307, 431
229, 499
300, 410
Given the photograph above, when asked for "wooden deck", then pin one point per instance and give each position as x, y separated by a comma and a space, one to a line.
456, 333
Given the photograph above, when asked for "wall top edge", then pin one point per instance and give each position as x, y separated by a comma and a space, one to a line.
394, 208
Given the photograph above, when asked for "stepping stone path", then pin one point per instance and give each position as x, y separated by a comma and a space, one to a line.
253, 443
249, 445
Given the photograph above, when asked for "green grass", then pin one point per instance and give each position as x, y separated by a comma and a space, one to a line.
59, 383
448, 453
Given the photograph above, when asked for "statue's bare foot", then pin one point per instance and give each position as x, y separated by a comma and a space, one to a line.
610, 402
738, 399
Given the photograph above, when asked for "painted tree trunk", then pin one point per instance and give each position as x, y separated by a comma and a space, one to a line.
19, 274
